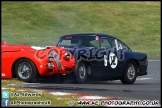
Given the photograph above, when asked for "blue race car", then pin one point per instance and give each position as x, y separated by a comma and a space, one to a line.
103, 57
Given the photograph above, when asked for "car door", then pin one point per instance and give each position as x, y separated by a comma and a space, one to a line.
118, 48
99, 65
106, 49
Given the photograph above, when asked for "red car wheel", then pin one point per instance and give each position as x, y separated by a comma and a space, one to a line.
26, 71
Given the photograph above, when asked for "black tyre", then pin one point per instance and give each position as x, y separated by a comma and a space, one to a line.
26, 71
130, 73
80, 72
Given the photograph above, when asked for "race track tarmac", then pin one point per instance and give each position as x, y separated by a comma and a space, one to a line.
146, 87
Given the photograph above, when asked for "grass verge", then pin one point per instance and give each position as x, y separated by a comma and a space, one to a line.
20, 97
42, 23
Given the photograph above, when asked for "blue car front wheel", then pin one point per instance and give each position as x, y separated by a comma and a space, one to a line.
81, 75
130, 73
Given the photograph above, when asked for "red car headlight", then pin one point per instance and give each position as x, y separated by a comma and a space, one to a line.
67, 55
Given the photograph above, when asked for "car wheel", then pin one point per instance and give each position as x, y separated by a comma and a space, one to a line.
80, 72
130, 74
26, 71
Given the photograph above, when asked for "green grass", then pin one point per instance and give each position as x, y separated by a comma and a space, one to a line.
55, 100
5, 82
42, 23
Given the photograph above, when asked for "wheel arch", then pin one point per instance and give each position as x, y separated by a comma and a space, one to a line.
76, 73
83, 59
125, 76
136, 61
13, 65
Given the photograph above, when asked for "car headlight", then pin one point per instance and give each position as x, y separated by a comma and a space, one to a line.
67, 55
52, 55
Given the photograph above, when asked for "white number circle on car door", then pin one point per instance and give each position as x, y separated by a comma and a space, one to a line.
113, 60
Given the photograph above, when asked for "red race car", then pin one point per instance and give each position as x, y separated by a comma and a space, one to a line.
29, 63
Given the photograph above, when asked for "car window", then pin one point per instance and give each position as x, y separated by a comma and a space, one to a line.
65, 42
81, 41
105, 43
76, 42
94, 43
121, 45
112, 40
71, 42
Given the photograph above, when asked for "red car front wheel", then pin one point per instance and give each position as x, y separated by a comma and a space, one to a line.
26, 71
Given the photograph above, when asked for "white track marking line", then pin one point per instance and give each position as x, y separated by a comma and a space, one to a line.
143, 78
154, 60
59, 98
37, 90
20, 90
138, 79
92, 97
12, 84
60, 93
5, 88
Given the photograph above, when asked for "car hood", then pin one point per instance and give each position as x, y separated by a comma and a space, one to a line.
16, 48
9, 47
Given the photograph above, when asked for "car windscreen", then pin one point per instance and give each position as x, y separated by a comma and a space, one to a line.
81, 41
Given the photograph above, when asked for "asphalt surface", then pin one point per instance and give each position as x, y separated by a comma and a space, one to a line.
147, 87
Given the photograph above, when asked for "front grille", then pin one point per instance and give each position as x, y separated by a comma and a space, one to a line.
50, 70
68, 69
